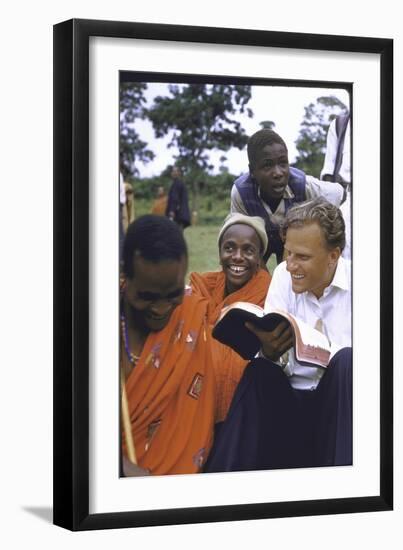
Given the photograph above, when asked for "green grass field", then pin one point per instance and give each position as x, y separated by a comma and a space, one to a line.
202, 246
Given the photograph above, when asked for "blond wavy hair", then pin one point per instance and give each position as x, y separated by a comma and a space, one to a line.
326, 215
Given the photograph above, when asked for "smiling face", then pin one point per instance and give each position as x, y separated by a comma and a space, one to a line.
310, 263
154, 291
271, 171
240, 252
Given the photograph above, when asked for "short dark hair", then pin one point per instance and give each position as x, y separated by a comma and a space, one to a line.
326, 215
154, 238
259, 140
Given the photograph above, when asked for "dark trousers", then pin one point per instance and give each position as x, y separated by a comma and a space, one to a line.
270, 425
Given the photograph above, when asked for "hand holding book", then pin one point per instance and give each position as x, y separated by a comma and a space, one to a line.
276, 342
247, 329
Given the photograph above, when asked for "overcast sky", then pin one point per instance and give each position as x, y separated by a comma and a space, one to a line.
283, 105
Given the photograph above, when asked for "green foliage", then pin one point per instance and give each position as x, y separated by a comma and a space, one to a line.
219, 186
198, 117
132, 148
311, 142
213, 195
146, 188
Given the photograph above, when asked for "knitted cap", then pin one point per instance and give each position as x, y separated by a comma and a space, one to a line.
253, 221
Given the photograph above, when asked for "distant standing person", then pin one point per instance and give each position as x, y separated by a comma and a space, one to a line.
178, 203
337, 167
160, 203
272, 187
128, 214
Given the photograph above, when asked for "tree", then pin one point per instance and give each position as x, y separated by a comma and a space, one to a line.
200, 118
132, 148
311, 141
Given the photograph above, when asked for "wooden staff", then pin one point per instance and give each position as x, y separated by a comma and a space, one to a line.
131, 452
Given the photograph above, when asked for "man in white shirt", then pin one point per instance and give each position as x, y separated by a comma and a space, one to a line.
337, 167
337, 163
285, 414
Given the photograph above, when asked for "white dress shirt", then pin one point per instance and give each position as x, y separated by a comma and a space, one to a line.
333, 308
345, 209
345, 173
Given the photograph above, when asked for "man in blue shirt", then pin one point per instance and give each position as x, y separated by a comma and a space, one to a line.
271, 187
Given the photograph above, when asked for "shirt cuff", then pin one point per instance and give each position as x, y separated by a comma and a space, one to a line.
281, 361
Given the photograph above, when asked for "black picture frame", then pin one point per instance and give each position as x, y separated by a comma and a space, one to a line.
71, 273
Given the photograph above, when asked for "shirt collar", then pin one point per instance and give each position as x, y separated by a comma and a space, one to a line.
341, 278
288, 194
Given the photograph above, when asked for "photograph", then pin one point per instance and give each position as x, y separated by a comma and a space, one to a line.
232, 193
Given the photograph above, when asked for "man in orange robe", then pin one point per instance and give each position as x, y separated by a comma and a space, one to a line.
166, 358
242, 243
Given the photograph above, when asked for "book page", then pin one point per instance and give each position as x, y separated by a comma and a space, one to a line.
311, 336
311, 345
304, 332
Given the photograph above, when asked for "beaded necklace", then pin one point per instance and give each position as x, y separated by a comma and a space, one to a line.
134, 359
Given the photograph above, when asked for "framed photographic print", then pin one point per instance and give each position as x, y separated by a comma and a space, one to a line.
142, 114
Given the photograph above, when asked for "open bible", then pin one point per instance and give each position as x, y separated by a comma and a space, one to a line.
311, 346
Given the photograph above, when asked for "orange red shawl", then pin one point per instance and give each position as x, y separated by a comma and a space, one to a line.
171, 393
228, 365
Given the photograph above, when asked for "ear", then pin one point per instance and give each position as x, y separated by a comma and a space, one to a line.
334, 255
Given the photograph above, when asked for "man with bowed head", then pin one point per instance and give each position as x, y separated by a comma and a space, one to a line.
272, 187
285, 414
165, 355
